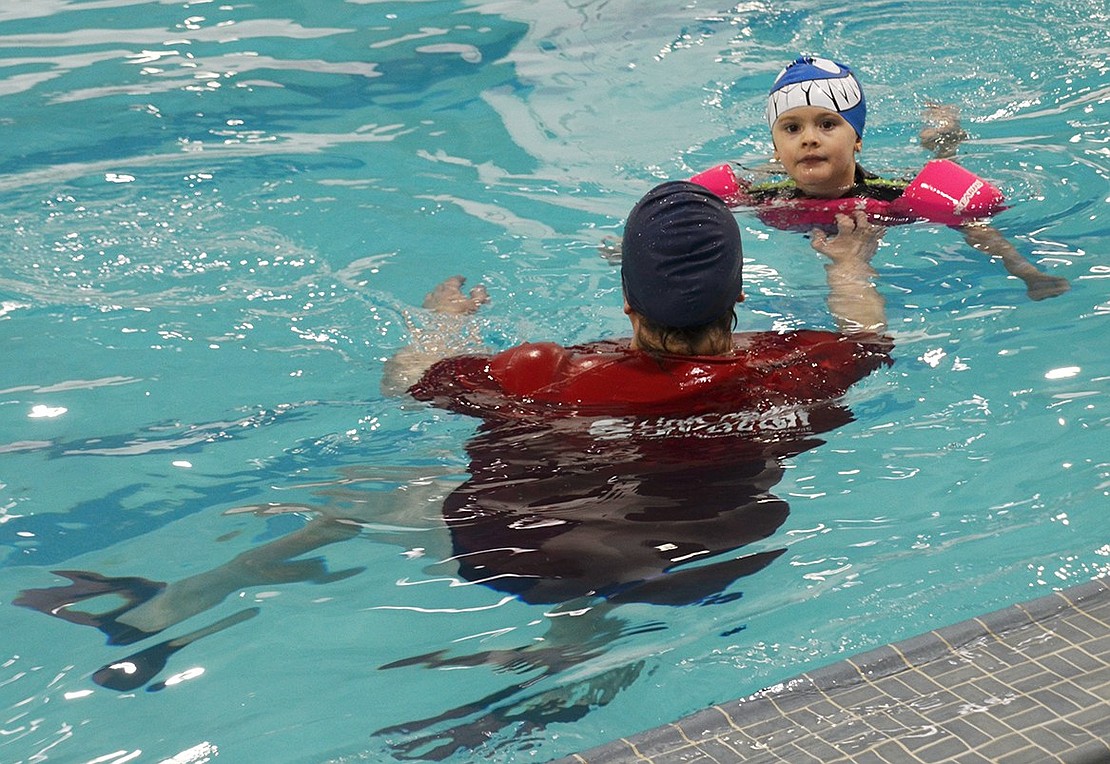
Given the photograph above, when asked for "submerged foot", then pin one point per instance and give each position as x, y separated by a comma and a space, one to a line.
87, 586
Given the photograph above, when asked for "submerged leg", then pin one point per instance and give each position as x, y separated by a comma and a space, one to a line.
536, 700
268, 564
152, 606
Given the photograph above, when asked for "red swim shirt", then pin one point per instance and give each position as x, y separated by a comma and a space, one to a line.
604, 471
608, 378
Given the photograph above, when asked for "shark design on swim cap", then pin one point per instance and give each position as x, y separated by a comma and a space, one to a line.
822, 82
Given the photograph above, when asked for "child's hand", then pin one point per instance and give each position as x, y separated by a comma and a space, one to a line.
942, 133
856, 239
448, 298
990, 240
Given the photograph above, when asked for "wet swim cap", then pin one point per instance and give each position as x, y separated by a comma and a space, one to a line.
819, 82
681, 258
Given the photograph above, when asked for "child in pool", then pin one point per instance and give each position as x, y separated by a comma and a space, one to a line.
816, 112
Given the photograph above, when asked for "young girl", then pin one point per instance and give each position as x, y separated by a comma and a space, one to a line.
816, 111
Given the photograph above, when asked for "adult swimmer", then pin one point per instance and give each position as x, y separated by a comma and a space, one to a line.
816, 111
584, 471
633, 470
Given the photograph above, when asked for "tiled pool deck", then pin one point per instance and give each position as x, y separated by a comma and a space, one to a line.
1030, 683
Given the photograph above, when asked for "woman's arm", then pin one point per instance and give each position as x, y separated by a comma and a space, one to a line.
448, 333
853, 299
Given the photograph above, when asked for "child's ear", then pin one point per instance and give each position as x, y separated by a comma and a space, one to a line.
859, 145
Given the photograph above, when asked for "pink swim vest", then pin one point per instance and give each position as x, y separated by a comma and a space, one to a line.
943, 192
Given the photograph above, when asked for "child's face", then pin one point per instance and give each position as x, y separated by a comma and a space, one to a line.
817, 147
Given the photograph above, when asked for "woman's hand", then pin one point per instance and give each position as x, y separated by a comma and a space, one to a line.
448, 298
447, 332
857, 239
853, 299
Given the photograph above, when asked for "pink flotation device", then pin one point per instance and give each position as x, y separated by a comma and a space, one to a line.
722, 181
946, 193
943, 192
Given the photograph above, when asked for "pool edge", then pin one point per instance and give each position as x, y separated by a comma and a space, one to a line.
1029, 682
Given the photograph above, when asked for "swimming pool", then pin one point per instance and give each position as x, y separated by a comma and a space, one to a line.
215, 216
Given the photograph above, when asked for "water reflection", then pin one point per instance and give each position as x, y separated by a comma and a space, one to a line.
585, 514
588, 514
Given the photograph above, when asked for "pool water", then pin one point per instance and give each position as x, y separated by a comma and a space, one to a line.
216, 219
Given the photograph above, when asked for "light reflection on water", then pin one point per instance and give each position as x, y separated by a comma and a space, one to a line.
216, 216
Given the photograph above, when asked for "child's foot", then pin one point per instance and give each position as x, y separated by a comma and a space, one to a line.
1042, 286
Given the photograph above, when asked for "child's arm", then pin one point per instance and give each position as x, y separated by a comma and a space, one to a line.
942, 135
853, 298
989, 240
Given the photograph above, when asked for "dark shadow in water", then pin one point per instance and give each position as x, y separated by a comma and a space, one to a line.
58, 601
588, 514
137, 669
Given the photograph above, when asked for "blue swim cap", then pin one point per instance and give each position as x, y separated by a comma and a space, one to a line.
681, 259
822, 82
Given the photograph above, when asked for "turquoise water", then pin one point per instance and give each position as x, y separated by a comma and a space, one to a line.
215, 217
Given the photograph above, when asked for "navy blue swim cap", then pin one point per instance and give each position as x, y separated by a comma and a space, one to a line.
809, 81
681, 258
